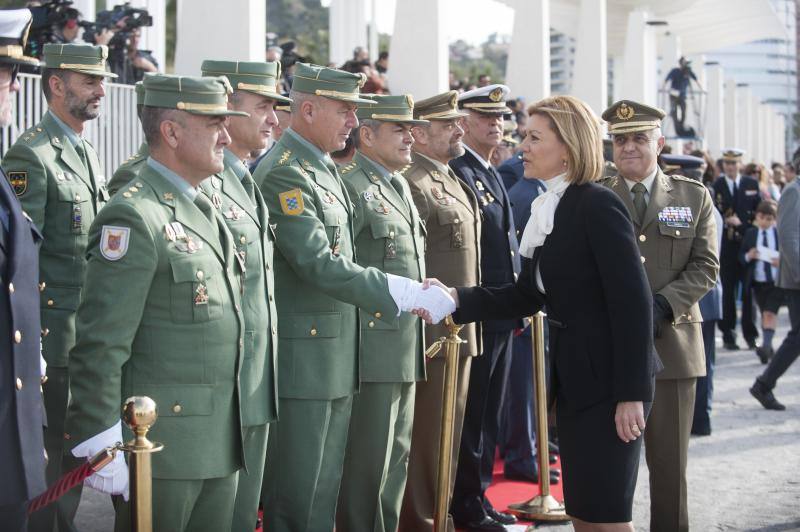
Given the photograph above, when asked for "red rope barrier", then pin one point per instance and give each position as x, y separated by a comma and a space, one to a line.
72, 479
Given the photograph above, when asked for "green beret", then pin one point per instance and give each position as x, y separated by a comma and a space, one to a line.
627, 116
389, 109
329, 82
440, 107
83, 58
258, 77
199, 96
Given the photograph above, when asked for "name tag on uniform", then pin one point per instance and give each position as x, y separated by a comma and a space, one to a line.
676, 216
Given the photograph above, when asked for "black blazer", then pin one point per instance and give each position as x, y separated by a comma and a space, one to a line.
743, 204
499, 248
750, 241
598, 299
21, 417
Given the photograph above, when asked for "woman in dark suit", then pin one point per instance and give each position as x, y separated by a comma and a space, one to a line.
583, 263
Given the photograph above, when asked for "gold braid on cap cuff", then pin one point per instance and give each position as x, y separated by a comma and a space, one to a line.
439, 114
253, 87
69, 66
377, 116
625, 125
183, 106
11, 50
321, 92
486, 105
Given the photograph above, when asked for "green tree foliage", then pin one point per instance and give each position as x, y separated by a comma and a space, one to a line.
303, 21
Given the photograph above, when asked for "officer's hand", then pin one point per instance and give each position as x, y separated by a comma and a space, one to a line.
113, 478
436, 301
661, 312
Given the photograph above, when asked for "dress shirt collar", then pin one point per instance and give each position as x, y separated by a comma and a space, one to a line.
475, 154
321, 155
72, 135
647, 181
180, 183
231, 160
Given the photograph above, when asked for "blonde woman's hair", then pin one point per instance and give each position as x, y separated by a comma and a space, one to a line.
579, 129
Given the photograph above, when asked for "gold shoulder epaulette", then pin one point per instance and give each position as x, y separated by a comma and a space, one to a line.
285, 156
349, 168
679, 177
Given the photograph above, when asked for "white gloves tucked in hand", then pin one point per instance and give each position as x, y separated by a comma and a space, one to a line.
409, 295
113, 478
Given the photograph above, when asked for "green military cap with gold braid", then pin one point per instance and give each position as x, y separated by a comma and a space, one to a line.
258, 77
199, 96
627, 116
440, 107
399, 108
83, 58
139, 90
329, 82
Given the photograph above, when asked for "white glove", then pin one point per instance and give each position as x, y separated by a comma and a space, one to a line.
113, 478
403, 291
437, 301
42, 365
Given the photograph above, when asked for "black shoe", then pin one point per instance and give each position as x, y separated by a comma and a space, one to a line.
765, 397
532, 476
484, 525
500, 517
730, 346
552, 447
764, 354
751, 343
553, 458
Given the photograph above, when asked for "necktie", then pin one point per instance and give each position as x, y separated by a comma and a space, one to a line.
767, 265
207, 208
80, 148
639, 202
249, 187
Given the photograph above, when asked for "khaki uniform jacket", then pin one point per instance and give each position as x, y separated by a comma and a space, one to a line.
318, 284
678, 243
161, 316
389, 236
128, 170
452, 220
248, 223
62, 197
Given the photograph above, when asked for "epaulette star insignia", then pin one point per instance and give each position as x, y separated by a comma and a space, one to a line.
285, 157
169, 196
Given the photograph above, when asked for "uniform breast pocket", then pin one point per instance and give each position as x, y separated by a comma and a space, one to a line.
390, 243
453, 222
335, 219
196, 293
74, 210
674, 246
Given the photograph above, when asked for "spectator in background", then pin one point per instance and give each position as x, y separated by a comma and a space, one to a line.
778, 175
360, 54
382, 64
484, 80
710, 170
133, 63
274, 54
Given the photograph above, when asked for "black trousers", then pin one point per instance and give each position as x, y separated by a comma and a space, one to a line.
487, 387
732, 275
789, 349
14, 517
701, 422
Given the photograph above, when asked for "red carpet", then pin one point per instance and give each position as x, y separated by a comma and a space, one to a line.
503, 492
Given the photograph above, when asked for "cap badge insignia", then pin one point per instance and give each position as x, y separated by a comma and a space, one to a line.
625, 112
496, 95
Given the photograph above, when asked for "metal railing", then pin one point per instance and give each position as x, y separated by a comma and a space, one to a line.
115, 134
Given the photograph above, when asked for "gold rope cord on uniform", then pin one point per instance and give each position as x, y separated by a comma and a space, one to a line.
438, 114
184, 106
254, 87
99, 67
486, 104
378, 116
322, 92
11, 50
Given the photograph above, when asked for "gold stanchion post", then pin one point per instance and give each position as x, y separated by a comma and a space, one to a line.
139, 414
542, 507
451, 343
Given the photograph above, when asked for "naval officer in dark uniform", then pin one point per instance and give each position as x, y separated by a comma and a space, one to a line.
483, 132
21, 445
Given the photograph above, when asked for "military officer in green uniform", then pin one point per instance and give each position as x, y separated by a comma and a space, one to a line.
234, 194
59, 181
162, 315
128, 170
389, 236
674, 222
318, 288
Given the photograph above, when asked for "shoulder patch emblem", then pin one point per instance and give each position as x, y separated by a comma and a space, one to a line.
19, 182
291, 202
114, 242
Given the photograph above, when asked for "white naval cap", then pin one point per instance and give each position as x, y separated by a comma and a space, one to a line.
490, 99
14, 25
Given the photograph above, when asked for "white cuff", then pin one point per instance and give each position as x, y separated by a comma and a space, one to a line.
107, 438
403, 291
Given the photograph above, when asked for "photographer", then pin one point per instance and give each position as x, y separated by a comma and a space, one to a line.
57, 22
132, 64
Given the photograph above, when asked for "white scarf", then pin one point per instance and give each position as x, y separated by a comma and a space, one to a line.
543, 208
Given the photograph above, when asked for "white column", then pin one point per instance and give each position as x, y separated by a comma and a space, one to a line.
745, 129
639, 82
528, 69
154, 38
374, 42
780, 149
238, 32
590, 81
418, 55
618, 73
732, 118
347, 29
715, 109
760, 130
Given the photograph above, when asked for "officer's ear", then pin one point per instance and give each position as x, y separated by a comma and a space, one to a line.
660, 144
307, 110
169, 132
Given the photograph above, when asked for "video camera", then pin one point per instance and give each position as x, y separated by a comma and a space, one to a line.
46, 18
123, 19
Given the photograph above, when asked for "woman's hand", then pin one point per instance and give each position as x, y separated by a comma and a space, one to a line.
629, 420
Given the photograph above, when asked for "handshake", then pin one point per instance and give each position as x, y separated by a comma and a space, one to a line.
431, 300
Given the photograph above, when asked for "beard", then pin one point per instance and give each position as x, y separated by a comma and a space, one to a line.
456, 150
81, 109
